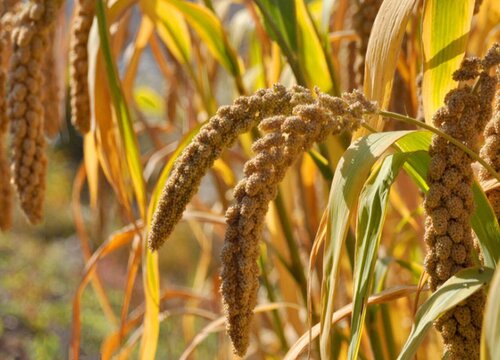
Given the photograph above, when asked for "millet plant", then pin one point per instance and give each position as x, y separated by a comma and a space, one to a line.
365, 136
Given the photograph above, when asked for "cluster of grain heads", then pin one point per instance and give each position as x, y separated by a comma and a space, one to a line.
24, 103
449, 203
79, 88
366, 11
286, 137
220, 132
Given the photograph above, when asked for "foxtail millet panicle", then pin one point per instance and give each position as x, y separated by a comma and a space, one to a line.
5, 186
24, 106
490, 150
79, 63
51, 94
449, 205
220, 132
286, 137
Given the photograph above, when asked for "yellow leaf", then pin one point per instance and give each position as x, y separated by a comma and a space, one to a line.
446, 28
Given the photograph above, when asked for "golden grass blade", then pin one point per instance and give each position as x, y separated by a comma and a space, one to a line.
218, 325
91, 162
84, 241
446, 27
107, 148
171, 28
113, 341
132, 267
151, 323
141, 41
117, 240
383, 53
383, 297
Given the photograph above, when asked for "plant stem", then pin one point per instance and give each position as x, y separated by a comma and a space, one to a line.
457, 143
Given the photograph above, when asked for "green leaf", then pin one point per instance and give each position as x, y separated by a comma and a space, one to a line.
445, 31
210, 30
349, 178
491, 323
372, 211
456, 289
310, 51
127, 134
283, 15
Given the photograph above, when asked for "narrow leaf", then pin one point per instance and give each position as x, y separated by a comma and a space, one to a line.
456, 289
127, 133
372, 211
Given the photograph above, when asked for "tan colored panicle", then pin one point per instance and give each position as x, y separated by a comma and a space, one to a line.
79, 88
490, 152
449, 206
220, 132
51, 94
286, 137
24, 106
5, 187
364, 17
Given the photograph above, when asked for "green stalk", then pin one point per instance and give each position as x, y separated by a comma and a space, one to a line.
278, 324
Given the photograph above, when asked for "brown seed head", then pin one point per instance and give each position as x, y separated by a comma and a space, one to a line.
79, 88
449, 202
286, 137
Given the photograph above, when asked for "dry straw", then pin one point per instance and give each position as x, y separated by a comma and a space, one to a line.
220, 132
449, 204
24, 103
286, 138
79, 62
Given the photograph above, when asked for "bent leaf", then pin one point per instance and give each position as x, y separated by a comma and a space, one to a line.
456, 289
382, 54
350, 175
371, 217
